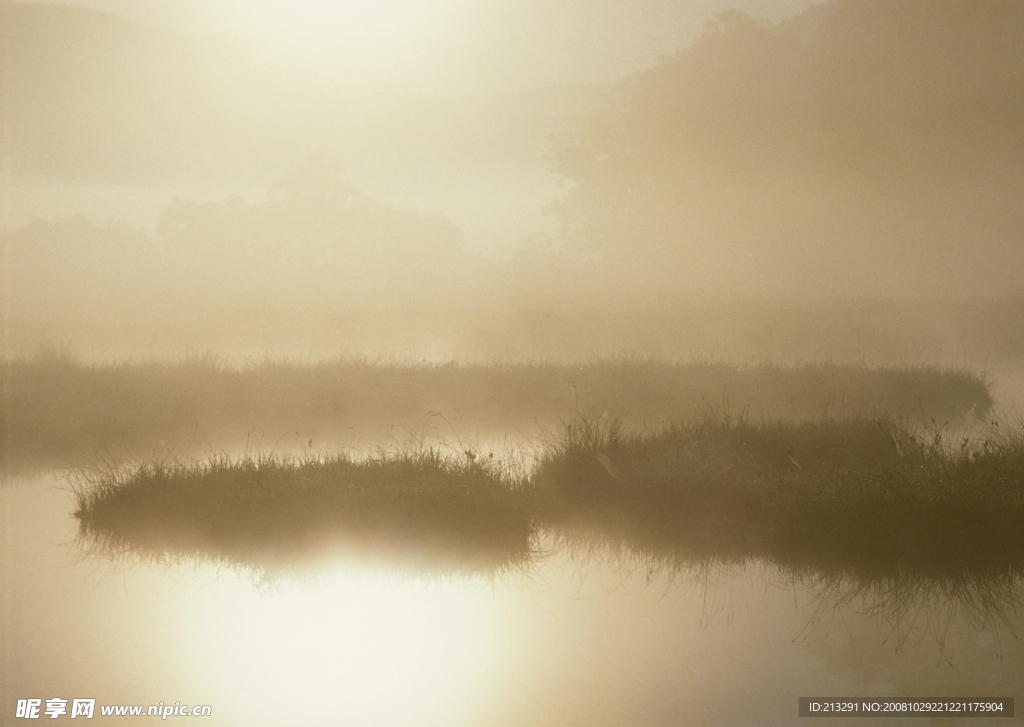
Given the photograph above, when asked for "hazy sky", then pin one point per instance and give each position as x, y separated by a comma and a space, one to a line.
878, 156
452, 46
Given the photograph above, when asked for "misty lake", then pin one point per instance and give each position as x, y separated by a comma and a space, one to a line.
482, 364
595, 640
575, 636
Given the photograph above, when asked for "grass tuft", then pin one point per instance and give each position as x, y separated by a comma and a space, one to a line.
856, 505
862, 498
419, 511
57, 411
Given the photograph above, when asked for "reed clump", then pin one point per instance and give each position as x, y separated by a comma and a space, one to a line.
420, 510
860, 498
58, 411
855, 502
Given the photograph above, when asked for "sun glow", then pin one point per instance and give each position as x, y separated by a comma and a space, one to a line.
358, 649
362, 31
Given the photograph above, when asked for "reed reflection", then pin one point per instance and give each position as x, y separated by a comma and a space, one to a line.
411, 512
856, 510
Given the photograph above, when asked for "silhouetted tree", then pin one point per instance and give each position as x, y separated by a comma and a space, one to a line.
758, 134
318, 180
313, 233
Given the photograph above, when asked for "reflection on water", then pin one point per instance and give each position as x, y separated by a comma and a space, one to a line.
359, 648
424, 517
895, 598
407, 512
585, 634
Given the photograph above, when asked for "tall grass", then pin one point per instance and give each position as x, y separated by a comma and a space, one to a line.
418, 511
865, 499
56, 411
855, 505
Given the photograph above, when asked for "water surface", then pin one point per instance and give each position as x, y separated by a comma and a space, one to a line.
597, 639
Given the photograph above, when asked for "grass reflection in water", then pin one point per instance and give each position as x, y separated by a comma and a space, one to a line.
859, 507
405, 510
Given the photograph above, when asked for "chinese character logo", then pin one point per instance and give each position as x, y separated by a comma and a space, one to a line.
83, 708
28, 708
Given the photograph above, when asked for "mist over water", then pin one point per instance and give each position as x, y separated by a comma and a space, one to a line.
527, 363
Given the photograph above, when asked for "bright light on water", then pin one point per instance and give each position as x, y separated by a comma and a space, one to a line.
356, 648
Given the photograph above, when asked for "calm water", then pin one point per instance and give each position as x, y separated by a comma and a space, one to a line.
598, 641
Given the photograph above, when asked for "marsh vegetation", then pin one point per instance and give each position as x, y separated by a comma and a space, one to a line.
58, 411
728, 294
865, 498
856, 505
416, 511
